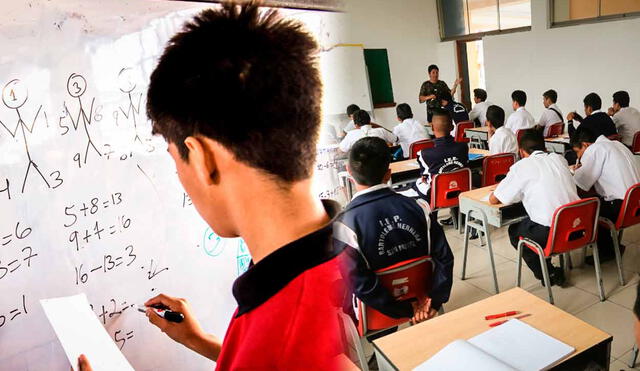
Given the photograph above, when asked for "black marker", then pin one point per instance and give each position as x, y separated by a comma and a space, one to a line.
164, 313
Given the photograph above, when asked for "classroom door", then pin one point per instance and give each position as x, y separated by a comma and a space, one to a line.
471, 67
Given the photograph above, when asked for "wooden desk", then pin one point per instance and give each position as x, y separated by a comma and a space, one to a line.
558, 144
480, 134
473, 205
403, 172
411, 346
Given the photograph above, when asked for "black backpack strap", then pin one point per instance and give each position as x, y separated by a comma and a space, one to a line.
557, 113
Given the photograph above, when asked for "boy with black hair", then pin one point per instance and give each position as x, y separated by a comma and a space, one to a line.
351, 109
552, 113
501, 139
364, 128
478, 113
596, 121
626, 119
286, 313
381, 228
409, 130
457, 111
610, 168
521, 118
543, 183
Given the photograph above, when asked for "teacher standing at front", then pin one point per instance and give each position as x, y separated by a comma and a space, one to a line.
432, 87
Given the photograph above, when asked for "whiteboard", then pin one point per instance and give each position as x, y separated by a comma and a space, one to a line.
90, 200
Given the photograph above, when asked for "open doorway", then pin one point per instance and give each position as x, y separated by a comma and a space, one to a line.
471, 68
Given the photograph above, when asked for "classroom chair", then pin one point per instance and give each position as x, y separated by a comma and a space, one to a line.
445, 189
496, 167
519, 135
555, 130
410, 279
635, 146
419, 145
573, 226
634, 356
460, 128
629, 216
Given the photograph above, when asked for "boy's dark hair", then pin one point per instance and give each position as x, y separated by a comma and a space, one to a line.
582, 136
622, 98
441, 112
432, 67
551, 94
480, 94
445, 95
636, 308
369, 160
495, 114
236, 59
593, 100
361, 118
351, 109
403, 111
532, 140
520, 97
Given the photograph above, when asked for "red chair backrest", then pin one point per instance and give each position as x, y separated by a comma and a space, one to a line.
519, 135
460, 128
496, 167
635, 147
446, 187
419, 145
573, 226
555, 130
630, 210
405, 280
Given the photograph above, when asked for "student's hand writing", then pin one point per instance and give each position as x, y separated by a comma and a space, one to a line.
83, 363
185, 332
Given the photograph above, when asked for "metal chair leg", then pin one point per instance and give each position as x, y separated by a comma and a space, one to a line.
466, 246
519, 264
596, 264
634, 356
569, 261
545, 273
616, 250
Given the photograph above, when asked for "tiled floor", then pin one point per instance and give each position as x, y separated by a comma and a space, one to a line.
579, 297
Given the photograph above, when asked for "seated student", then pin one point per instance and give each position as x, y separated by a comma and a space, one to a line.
501, 139
362, 121
478, 113
351, 109
381, 228
609, 167
543, 182
626, 119
409, 130
552, 113
596, 121
521, 118
457, 111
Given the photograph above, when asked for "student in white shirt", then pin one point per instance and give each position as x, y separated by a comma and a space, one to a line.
521, 118
501, 139
409, 130
478, 113
351, 109
611, 169
362, 121
552, 114
543, 183
627, 119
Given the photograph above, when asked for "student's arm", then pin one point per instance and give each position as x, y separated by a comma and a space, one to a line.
442, 258
509, 190
344, 144
590, 170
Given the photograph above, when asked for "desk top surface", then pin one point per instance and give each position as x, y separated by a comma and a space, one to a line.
564, 138
478, 194
478, 151
410, 347
402, 166
484, 129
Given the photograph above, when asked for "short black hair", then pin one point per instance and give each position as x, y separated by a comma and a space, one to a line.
223, 59
445, 95
403, 111
432, 67
582, 136
352, 108
480, 94
441, 112
636, 308
551, 94
532, 140
593, 100
622, 98
495, 114
520, 97
369, 160
361, 118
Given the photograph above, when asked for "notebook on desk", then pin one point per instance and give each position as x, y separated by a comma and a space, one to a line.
513, 345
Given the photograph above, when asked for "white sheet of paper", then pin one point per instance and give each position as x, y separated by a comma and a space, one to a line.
459, 355
80, 332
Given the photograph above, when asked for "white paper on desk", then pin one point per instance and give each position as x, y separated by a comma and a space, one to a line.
485, 198
460, 355
80, 332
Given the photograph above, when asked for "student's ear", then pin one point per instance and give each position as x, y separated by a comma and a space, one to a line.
349, 169
202, 159
387, 176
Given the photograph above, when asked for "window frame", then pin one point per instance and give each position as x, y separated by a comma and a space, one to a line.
597, 19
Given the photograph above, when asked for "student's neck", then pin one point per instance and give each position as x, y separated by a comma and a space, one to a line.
268, 217
360, 187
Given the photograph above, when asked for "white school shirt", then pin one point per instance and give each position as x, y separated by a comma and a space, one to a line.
503, 141
627, 122
549, 117
409, 131
610, 167
520, 119
350, 126
479, 111
365, 131
542, 182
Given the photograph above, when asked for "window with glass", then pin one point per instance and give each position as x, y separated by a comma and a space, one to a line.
575, 11
461, 18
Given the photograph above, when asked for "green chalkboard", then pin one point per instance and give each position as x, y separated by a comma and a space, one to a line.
377, 62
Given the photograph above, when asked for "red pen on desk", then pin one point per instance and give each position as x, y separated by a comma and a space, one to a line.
501, 322
506, 314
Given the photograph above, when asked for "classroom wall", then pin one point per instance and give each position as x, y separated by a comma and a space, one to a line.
574, 60
408, 29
